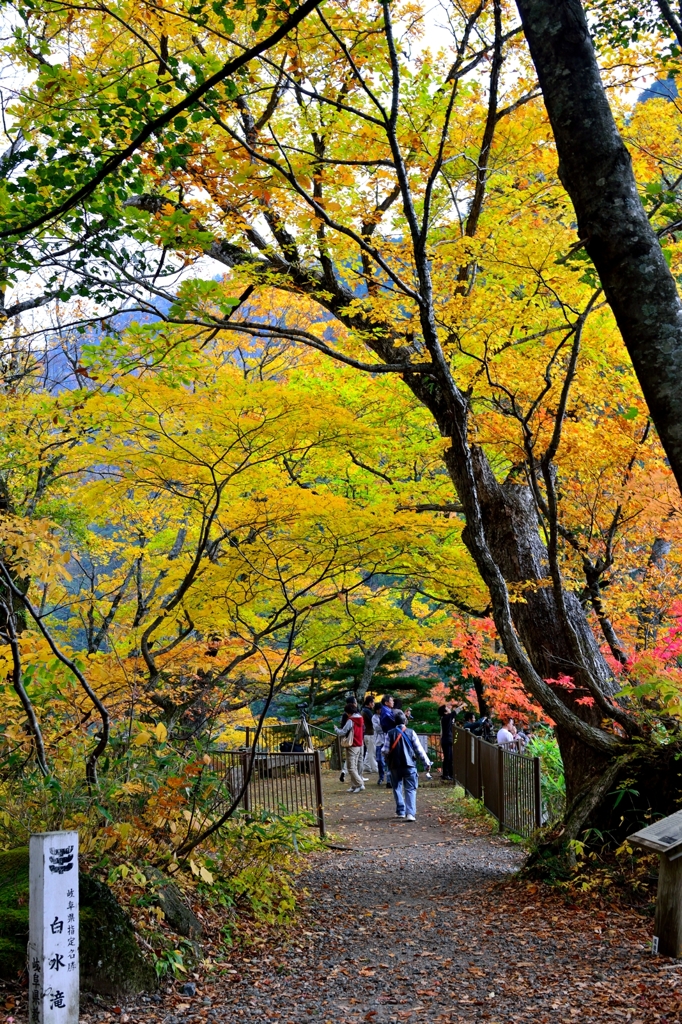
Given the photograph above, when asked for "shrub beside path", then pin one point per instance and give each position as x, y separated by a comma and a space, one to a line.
425, 922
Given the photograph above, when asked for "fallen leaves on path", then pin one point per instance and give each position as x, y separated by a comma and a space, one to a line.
438, 932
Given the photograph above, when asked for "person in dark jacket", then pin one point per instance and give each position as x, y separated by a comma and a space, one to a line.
370, 761
386, 721
386, 713
447, 716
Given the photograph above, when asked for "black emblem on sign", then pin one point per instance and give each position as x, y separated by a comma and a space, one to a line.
61, 860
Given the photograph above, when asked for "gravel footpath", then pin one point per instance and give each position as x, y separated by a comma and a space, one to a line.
424, 922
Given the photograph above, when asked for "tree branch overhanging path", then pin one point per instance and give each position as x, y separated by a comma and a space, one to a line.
371, 219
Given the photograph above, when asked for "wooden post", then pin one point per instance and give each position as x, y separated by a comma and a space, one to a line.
665, 838
537, 789
500, 783
471, 760
479, 775
248, 737
53, 928
246, 802
318, 792
668, 921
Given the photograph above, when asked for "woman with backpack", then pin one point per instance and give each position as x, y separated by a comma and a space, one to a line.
352, 735
401, 751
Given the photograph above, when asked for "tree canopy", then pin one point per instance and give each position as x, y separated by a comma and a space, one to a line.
323, 368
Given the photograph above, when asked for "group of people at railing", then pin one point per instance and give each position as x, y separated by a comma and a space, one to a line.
377, 739
508, 736
512, 737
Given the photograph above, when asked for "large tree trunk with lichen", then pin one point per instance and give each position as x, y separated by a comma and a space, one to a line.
512, 534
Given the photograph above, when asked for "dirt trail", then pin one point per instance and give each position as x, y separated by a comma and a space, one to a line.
424, 923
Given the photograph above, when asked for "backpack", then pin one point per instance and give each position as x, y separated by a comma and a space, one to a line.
358, 729
401, 753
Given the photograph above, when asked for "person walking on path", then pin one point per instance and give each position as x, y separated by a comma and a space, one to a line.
370, 762
353, 730
378, 744
386, 713
387, 723
402, 749
447, 717
344, 718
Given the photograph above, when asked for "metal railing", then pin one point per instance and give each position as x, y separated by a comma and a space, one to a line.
507, 782
281, 783
432, 745
273, 737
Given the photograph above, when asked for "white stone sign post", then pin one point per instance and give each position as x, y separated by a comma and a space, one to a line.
53, 928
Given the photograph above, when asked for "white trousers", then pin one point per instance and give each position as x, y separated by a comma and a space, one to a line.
370, 764
353, 766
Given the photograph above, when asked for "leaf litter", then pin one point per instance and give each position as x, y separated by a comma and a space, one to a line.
430, 925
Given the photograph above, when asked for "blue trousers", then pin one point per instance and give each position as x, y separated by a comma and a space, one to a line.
405, 784
380, 763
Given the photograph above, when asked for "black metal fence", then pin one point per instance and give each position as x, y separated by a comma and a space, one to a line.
507, 782
282, 783
274, 737
432, 745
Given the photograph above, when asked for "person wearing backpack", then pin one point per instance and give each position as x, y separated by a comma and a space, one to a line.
344, 719
401, 751
352, 735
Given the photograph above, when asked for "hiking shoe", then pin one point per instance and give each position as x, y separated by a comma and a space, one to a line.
353, 789
399, 815
358, 789
410, 817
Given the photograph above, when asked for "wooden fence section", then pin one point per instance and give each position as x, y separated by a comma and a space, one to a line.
508, 783
281, 783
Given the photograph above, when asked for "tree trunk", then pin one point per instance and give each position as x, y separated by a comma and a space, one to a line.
596, 170
373, 656
19, 612
483, 708
511, 529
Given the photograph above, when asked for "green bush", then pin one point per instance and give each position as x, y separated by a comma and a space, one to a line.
544, 745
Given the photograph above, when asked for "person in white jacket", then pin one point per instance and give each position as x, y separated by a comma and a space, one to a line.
379, 737
370, 762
